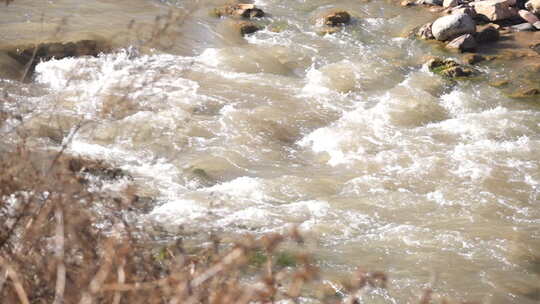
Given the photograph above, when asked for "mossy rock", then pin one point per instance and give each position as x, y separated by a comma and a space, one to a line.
449, 68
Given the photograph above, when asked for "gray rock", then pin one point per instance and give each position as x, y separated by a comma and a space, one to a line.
452, 26
463, 43
523, 27
537, 25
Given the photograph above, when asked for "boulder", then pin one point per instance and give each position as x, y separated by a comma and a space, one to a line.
463, 43
487, 34
452, 26
494, 10
533, 6
528, 16
449, 68
336, 18
523, 27
425, 32
243, 10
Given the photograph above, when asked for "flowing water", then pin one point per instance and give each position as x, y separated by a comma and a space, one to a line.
349, 136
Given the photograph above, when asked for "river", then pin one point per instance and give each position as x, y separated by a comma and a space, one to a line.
378, 161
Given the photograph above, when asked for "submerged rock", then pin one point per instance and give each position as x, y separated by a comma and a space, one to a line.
452, 26
243, 10
247, 27
526, 93
31, 55
336, 18
473, 58
449, 68
463, 43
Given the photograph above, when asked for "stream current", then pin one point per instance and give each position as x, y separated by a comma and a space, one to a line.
349, 136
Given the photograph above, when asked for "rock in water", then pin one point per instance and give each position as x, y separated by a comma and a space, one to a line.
337, 18
488, 34
247, 27
452, 26
494, 10
425, 32
243, 10
448, 68
473, 58
463, 43
533, 6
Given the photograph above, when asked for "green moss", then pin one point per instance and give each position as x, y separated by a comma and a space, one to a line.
285, 259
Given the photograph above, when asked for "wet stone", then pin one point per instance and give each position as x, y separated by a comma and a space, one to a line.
526, 93
247, 27
463, 43
336, 18
449, 68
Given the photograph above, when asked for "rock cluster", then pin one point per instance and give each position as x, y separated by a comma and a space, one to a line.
460, 29
241, 12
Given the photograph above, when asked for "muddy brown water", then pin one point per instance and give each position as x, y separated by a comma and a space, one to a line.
381, 163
